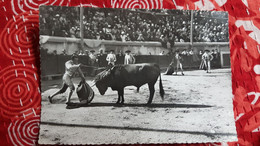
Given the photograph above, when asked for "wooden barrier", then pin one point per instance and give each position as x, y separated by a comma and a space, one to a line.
71, 45
53, 65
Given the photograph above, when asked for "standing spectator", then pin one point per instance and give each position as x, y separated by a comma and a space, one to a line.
190, 57
216, 58
120, 57
100, 58
207, 58
111, 58
129, 58
179, 60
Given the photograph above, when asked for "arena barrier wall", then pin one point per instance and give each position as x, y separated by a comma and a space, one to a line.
53, 56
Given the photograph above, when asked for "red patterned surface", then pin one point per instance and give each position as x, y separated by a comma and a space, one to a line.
19, 64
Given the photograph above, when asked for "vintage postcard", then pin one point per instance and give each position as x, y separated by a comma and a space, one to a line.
128, 76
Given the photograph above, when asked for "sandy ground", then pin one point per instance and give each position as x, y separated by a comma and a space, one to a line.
197, 108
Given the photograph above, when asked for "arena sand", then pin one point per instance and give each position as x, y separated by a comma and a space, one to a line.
196, 108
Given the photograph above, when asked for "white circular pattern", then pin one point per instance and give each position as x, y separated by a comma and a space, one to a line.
20, 6
257, 69
138, 4
24, 132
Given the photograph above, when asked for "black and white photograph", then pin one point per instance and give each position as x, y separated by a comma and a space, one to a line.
135, 76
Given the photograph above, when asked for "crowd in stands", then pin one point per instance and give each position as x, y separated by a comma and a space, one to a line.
59, 21
134, 25
123, 25
210, 26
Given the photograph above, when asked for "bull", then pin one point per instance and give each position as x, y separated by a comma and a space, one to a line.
120, 76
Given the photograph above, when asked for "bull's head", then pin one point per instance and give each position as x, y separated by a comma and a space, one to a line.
102, 88
102, 81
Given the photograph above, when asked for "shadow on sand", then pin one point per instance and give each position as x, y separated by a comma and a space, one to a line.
198, 75
153, 105
208, 134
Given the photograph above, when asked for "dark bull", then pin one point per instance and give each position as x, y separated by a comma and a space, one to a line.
120, 76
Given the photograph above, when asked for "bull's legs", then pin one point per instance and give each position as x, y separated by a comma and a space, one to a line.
137, 90
120, 95
118, 100
151, 88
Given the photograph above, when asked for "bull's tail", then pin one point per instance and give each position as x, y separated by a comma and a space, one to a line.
161, 88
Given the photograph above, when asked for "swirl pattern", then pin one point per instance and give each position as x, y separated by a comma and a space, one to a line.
138, 4
20, 91
20, 6
24, 132
21, 36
